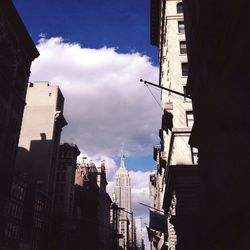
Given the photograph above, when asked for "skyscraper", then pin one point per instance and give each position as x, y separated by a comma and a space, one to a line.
123, 199
122, 186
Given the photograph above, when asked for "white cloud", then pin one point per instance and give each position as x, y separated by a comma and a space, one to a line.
105, 104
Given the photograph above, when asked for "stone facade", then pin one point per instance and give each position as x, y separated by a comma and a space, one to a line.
42, 124
174, 156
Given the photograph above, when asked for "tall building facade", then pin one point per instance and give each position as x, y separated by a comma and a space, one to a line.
173, 186
123, 199
168, 34
63, 202
37, 159
92, 205
42, 124
17, 51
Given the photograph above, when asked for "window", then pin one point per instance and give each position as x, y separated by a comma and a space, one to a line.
194, 155
184, 69
183, 47
179, 7
190, 118
181, 27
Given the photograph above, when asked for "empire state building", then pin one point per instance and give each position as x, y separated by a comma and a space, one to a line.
122, 186
123, 200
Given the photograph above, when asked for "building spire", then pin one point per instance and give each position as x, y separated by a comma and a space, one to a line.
122, 161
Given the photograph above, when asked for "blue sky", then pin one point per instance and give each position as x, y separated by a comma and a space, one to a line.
94, 24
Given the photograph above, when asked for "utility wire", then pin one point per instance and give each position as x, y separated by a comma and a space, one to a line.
154, 97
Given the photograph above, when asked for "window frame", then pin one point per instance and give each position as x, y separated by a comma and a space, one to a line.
183, 51
184, 69
179, 8
181, 27
188, 120
195, 155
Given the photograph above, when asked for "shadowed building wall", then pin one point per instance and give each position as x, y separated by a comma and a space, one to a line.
17, 51
218, 82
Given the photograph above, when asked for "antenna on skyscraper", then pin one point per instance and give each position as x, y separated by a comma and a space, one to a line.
122, 150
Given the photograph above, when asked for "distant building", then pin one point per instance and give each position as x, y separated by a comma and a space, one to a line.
122, 192
105, 229
17, 51
138, 233
92, 209
64, 196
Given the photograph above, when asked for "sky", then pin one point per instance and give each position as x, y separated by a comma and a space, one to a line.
96, 51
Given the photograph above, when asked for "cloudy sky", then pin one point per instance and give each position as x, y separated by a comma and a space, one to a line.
97, 51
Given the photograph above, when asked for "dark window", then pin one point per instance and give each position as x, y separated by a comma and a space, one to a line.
179, 7
184, 69
183, 47
190, 118
181, 27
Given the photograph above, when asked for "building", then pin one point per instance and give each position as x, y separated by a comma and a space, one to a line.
17, 51
42, 124
175, 184
114, 221
92, 220
105, 229
64, 195
15, 211
85, 208
218, 83
122, 192
35, 229
37, 159
138, 233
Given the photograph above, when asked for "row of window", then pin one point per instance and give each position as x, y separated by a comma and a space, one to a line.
40, 206
12, 231
18, 191
15, 210
37, 222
